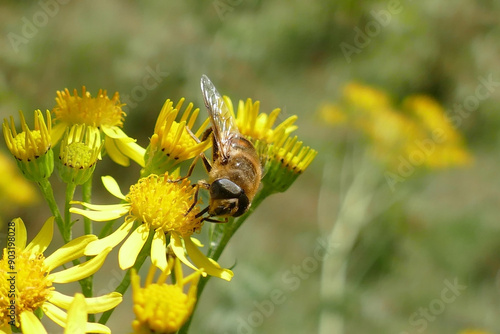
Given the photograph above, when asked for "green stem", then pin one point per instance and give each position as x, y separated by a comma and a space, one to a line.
48, 194
87, 197
124, 284
214, 253
88, 282
70, 192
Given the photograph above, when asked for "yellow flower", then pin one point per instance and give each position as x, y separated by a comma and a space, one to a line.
258, 126
161, 207
160, 307
31, 148
332, 114
449, 150
101, 112
474, 331
287, 159
172, 142
23, 194
418, 131
365, 97
27, 279
79, 151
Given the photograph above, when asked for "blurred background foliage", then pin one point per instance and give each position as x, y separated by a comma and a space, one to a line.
438, 224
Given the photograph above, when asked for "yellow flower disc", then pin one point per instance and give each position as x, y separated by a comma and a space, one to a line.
163, 308
97, 111
163, 204
25, 286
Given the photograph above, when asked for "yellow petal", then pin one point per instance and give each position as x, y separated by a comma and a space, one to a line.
42, 240
159, 250
176, 244
115, 212
30, 324
82, 270
77, 316
196, 242
67, 253
201, 261
132, 150
132, 246
115, 132
57, 132
55, 314
97, 328
102, 207
114, 152
60, 317
93, 304
19, 232
103, 303
111, 240
112, 186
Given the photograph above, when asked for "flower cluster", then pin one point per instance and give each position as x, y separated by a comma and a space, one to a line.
161, 213
395, 132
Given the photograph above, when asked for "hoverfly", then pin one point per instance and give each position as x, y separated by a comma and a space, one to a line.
235, 171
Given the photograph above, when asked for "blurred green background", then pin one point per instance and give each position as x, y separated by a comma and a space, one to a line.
436, 226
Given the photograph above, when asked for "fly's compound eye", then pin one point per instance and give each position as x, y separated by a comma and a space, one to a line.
225, 189
235, 200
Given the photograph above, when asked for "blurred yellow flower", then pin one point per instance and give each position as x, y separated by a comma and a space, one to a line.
365, 97
332, 114
20, 195
416, 133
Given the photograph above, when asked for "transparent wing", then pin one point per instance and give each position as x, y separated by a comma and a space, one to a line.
223, 126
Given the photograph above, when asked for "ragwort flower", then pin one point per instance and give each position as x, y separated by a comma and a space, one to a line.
172, 142
287, 159
160, 307
259, 126
31, 148
162, 206
79, 151
27, 280
101, 112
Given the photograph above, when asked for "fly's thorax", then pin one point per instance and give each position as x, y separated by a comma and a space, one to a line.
241, 167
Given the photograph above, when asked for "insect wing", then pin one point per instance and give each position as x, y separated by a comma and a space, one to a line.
223, 126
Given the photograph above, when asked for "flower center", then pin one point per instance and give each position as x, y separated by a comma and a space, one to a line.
101, 110
30, 149
163, 308
23, 285
77, 155
164, 205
